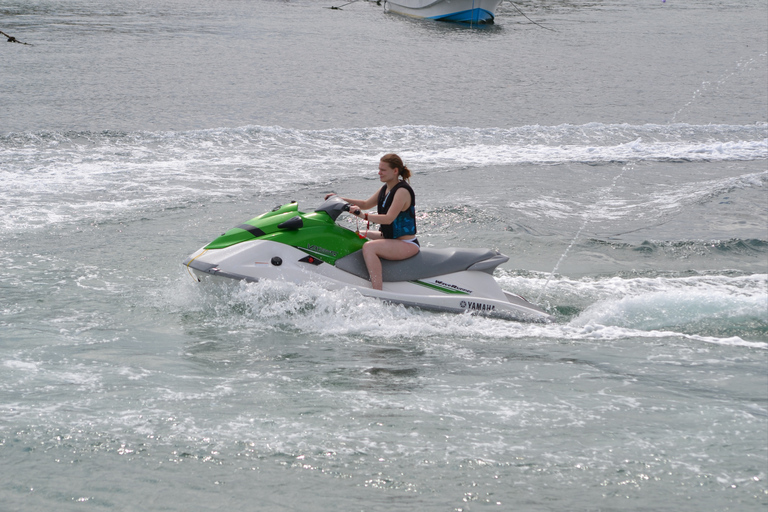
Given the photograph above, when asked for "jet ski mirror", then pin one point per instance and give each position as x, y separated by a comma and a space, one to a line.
333, 206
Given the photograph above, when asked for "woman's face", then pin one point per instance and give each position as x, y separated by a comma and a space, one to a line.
387, 173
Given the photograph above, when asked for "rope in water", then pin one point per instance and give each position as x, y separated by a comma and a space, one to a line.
529, 19
342, 5
587, 220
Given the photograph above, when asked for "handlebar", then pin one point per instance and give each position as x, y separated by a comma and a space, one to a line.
333, 206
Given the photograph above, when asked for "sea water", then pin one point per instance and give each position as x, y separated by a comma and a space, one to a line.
618, 158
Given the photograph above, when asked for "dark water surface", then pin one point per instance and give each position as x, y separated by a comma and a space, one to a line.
196, 65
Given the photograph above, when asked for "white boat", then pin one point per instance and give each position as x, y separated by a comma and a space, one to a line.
461, 11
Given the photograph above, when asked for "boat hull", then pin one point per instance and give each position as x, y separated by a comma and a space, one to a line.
458, 292
459, 11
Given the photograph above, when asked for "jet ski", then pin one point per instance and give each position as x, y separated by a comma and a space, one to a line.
297, 247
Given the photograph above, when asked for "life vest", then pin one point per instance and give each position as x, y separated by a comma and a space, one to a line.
405, 222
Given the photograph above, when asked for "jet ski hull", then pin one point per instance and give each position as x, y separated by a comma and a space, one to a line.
473, 291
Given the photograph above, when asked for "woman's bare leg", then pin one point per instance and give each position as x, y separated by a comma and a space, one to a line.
372, 234
374, 250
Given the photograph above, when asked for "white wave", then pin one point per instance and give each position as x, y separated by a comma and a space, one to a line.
23, 366
603, 288
658, 202
635, 151
618, 309
663, 308
275, 149
61, 177
663, 305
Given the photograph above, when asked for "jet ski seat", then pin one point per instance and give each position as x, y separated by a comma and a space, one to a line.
427, 263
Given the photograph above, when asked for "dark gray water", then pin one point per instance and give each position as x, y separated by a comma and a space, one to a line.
619, 160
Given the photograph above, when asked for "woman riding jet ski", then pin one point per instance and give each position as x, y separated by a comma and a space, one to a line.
388, 264
396, 214
298, 247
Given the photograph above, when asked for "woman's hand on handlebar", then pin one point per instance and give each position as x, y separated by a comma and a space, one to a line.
349, 207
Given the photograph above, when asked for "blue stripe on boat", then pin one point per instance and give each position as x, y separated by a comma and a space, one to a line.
476, 15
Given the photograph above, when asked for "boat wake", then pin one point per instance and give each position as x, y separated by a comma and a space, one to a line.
714, 309
140, 171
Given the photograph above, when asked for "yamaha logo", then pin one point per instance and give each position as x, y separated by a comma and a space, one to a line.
477, 306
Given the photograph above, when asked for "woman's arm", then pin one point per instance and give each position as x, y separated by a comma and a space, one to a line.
363, 204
